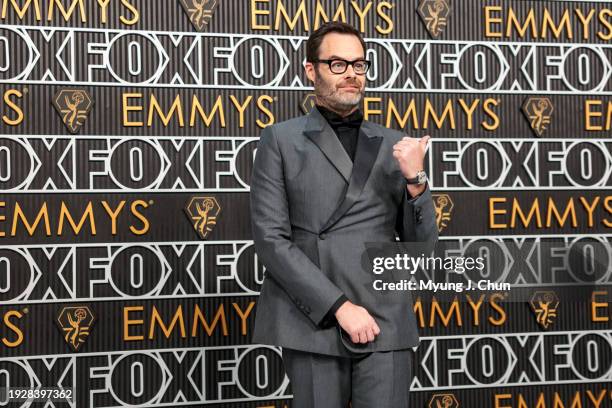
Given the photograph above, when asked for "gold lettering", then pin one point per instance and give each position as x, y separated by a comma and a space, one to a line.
490, 20
140, 216
127, 322
608, 206
430, 111
379, 10
517, 210
113, 214
497, 307
493, 212
165, 118
596, 401
604, 18
264, 109
370, 111
198, 317
418, 311
13, 105
23, 10
243, 316
436, 309
19, 215
548, 22
585, 22
475, 308
530, 22
256, 12
2, 218
67, 13
393, 112
133, 10
590, 113
241, 107
589, 208
595, 305
281, 11
156, 319
469, 111
207, 118
13, 327
103, 10
126, 108
340, 14
321, 15
361, 13
65, 214
552, 210
499, 397
491, 114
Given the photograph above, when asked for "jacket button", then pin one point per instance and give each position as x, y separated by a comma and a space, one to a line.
322, 235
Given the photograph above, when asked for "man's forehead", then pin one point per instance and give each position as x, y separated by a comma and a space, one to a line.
338, 45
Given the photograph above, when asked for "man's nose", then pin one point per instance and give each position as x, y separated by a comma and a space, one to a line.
350, 72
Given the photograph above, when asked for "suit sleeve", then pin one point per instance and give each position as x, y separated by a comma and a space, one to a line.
308, 287
330, 318
416, 221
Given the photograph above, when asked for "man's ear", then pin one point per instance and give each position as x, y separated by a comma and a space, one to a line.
310, 71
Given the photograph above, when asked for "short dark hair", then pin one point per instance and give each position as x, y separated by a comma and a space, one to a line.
316, 38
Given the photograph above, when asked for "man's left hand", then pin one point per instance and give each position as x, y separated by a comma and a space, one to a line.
410, 154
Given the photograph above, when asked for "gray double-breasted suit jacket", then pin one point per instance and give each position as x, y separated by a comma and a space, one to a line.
312, 211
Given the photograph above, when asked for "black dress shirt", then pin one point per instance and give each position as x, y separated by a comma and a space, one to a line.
347, 131
346, 128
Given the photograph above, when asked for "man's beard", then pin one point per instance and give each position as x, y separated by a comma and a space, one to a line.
333, 97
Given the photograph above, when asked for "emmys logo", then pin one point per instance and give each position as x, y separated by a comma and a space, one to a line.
544, 304
75, 322
199, 11
203, 213
443, 401
308, 103
539, 113
434, 14
443, 206
73, 105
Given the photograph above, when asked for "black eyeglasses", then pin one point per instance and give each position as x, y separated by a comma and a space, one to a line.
339, 66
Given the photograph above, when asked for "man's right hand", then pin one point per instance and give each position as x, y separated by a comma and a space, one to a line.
357, 322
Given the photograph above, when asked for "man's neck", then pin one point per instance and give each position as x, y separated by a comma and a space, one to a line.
343, 113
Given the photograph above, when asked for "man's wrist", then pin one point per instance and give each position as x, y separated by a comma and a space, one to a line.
341, 300
419, 177
415, 190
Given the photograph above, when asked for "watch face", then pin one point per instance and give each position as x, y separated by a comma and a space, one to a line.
422, 177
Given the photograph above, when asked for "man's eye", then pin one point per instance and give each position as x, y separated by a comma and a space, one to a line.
359, 65
338, 64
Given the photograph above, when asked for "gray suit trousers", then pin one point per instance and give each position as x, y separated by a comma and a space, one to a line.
372, 380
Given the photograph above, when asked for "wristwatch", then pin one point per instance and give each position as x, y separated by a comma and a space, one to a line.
421, 178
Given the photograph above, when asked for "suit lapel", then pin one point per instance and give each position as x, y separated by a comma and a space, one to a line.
368, 145
320, 132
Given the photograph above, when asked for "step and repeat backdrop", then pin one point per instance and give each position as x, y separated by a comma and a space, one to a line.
128, 131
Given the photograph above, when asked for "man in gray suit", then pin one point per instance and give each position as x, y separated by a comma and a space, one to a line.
323, 185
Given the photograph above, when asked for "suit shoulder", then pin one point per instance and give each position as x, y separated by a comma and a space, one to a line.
288, 127
388, 133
